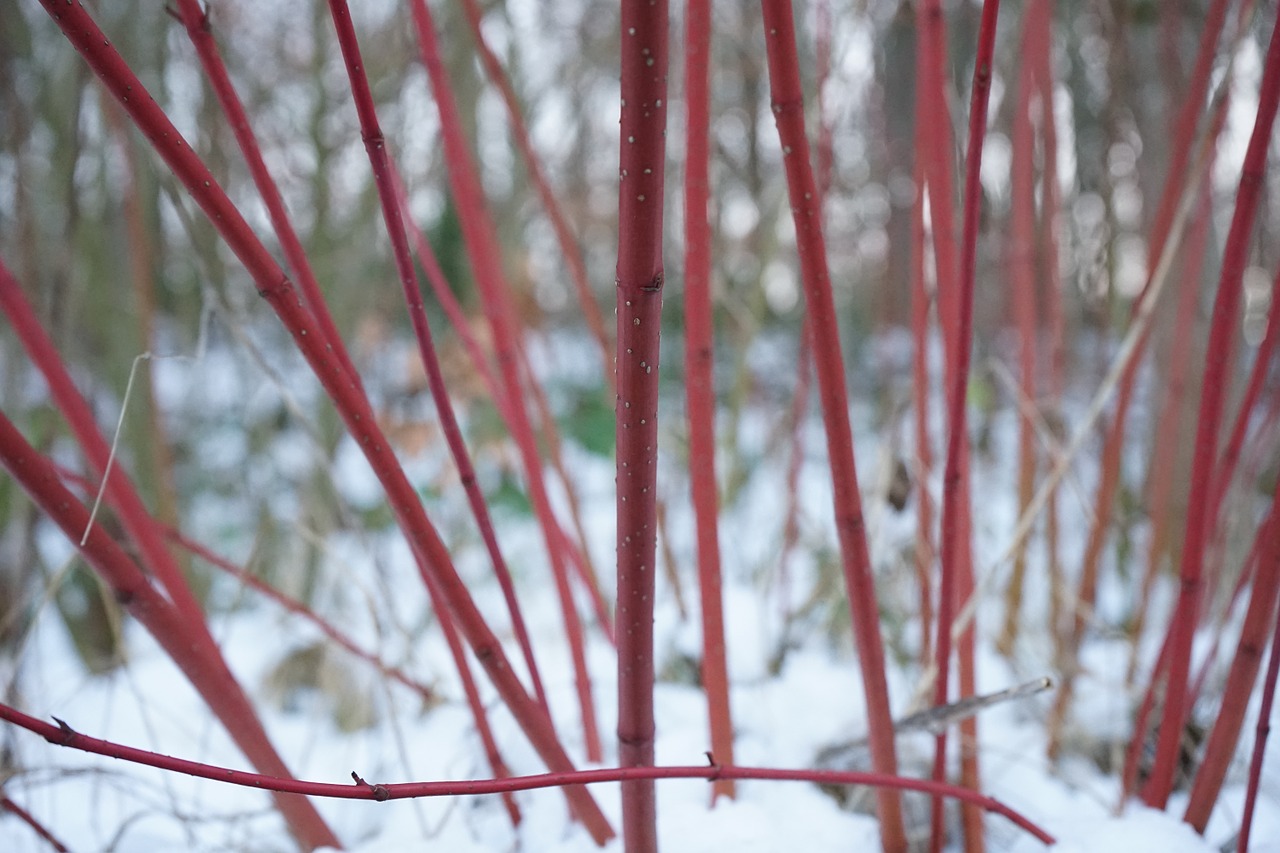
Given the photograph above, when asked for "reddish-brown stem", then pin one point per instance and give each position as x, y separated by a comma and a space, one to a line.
375, 146
1050, 207
190, 629
933, 183
274, 286
699, 384
564, 234
970, 771
641, 168
63, 735
1221, 332
1184, 130
485, 254
1054, 318
578, 554
936, 152
788, 110
954, 546
795, 460
1021, 265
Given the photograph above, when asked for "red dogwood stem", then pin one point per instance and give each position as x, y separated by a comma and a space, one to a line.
63, 735
788, 111
1221, 745
484, 252
954, 515
642, 168
699, 362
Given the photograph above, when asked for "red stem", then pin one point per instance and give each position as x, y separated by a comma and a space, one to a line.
937, 154
699, 384
1184, 130
1260, 739
64, 735
1175, 186
1050, 207
1221, 746
1225, 310
788, 109
1050, 217
375, 146
642, 167
953, 510
462, 327
577, 553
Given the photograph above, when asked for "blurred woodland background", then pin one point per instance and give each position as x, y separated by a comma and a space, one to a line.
118, 262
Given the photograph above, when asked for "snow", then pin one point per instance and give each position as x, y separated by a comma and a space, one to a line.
786, 714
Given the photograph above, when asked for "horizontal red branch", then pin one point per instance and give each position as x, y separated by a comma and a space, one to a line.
63, 735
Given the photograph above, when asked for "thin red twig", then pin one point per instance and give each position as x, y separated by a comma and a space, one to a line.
64, 735
699, 362
954, 545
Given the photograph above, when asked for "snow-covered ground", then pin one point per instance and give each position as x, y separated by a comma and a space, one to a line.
788, 708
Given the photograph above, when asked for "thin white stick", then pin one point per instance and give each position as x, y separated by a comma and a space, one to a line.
206, 312
115, 443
